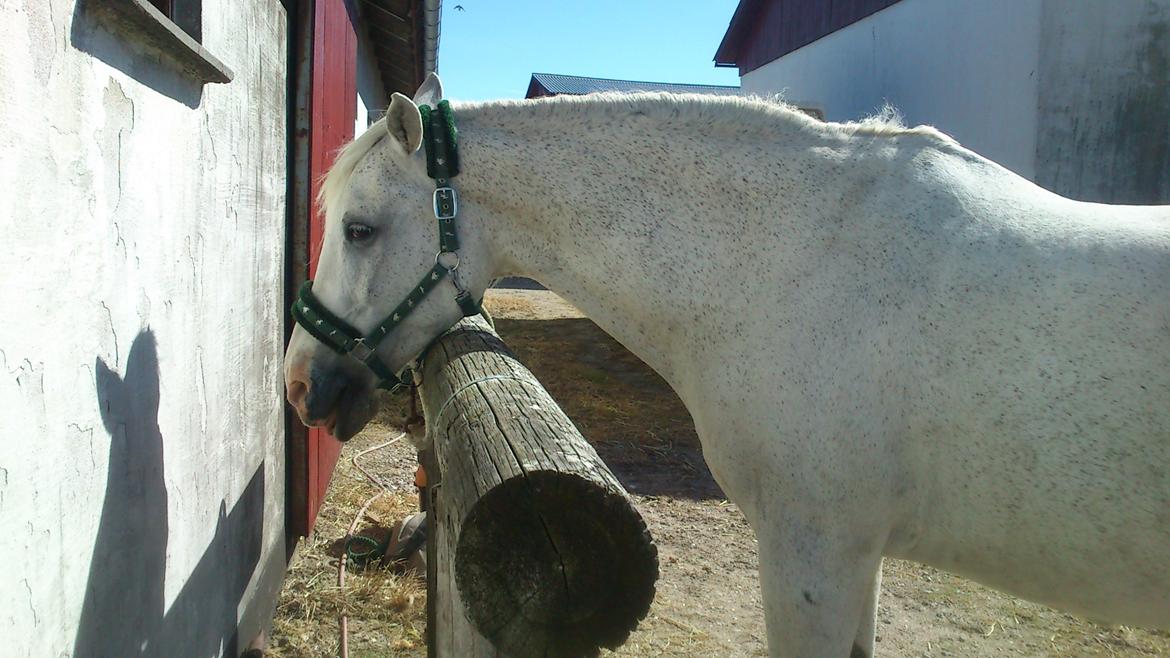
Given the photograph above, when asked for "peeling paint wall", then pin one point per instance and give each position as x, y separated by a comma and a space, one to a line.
142, 466
1104, 127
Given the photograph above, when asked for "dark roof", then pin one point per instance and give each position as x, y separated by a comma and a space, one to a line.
551, 84
742, 22
395, 28
765, 30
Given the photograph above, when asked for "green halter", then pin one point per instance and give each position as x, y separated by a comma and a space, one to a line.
439, 140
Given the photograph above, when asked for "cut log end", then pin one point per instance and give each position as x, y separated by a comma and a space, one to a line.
551, 563
547, 554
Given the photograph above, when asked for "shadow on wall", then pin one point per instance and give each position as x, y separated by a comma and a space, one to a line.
124, 613
127, 52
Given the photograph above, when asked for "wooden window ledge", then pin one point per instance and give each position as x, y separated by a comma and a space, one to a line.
141, 20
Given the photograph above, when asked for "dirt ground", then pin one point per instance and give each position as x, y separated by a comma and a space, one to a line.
708, 599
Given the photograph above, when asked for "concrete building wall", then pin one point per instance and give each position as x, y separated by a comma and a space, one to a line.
1072, 95
142, 461
1104, 102
372, 97
968, 68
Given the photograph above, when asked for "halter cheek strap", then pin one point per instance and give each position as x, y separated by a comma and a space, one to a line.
439, 139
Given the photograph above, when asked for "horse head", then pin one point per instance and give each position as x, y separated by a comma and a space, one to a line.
390, 278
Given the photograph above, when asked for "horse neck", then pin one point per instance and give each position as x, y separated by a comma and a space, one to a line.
636, 221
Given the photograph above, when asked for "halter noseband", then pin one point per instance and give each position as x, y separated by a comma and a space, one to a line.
439, 140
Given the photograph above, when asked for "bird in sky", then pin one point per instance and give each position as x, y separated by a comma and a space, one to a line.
459, 8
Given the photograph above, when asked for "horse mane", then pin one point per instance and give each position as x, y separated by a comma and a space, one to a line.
730, 112
334, 181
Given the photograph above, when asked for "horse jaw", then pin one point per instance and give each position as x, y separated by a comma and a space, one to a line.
353, 412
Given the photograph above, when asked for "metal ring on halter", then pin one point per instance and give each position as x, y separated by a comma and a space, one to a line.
407, 374
450, 268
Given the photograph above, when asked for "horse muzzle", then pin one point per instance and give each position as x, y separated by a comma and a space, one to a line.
332, 399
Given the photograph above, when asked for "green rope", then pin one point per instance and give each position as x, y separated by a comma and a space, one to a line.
362, 558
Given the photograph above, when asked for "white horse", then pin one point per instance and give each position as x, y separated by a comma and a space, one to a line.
889, 344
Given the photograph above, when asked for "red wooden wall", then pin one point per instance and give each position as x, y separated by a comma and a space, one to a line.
333, 99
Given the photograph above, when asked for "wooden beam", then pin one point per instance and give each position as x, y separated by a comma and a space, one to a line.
381, 34
396, 55
394, 72
397, 7
535, 548
376, 9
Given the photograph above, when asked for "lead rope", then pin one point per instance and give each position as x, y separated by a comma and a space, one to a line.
376, 550
414, 418
350, 537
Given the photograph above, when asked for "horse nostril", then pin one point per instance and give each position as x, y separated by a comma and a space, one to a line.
297, 391
324, 388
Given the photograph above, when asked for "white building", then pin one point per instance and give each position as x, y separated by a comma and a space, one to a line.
1072, 94
156, 159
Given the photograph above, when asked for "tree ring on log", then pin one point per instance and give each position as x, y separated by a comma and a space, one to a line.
551, 563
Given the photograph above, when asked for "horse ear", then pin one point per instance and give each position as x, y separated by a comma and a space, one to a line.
430, 92
404, 123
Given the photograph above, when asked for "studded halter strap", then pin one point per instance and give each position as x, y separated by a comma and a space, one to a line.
439, 140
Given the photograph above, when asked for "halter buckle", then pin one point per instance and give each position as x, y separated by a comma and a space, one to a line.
361, 351
446, 203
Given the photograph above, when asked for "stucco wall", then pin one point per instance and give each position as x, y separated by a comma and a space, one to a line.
1104, 106
968, 68
142, 465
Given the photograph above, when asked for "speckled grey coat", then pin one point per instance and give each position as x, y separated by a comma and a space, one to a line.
889, 345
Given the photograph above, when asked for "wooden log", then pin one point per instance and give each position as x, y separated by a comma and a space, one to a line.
534, 548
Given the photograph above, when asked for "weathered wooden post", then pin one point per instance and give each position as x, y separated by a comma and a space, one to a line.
534, 548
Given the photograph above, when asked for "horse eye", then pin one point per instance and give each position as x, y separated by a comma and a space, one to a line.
358, 232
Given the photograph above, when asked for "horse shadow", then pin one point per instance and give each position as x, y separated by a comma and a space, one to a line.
124, 613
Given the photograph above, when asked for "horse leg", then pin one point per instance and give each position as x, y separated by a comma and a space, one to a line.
817, 580
864, 640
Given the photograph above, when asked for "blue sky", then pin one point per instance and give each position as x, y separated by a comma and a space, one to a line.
490, 49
